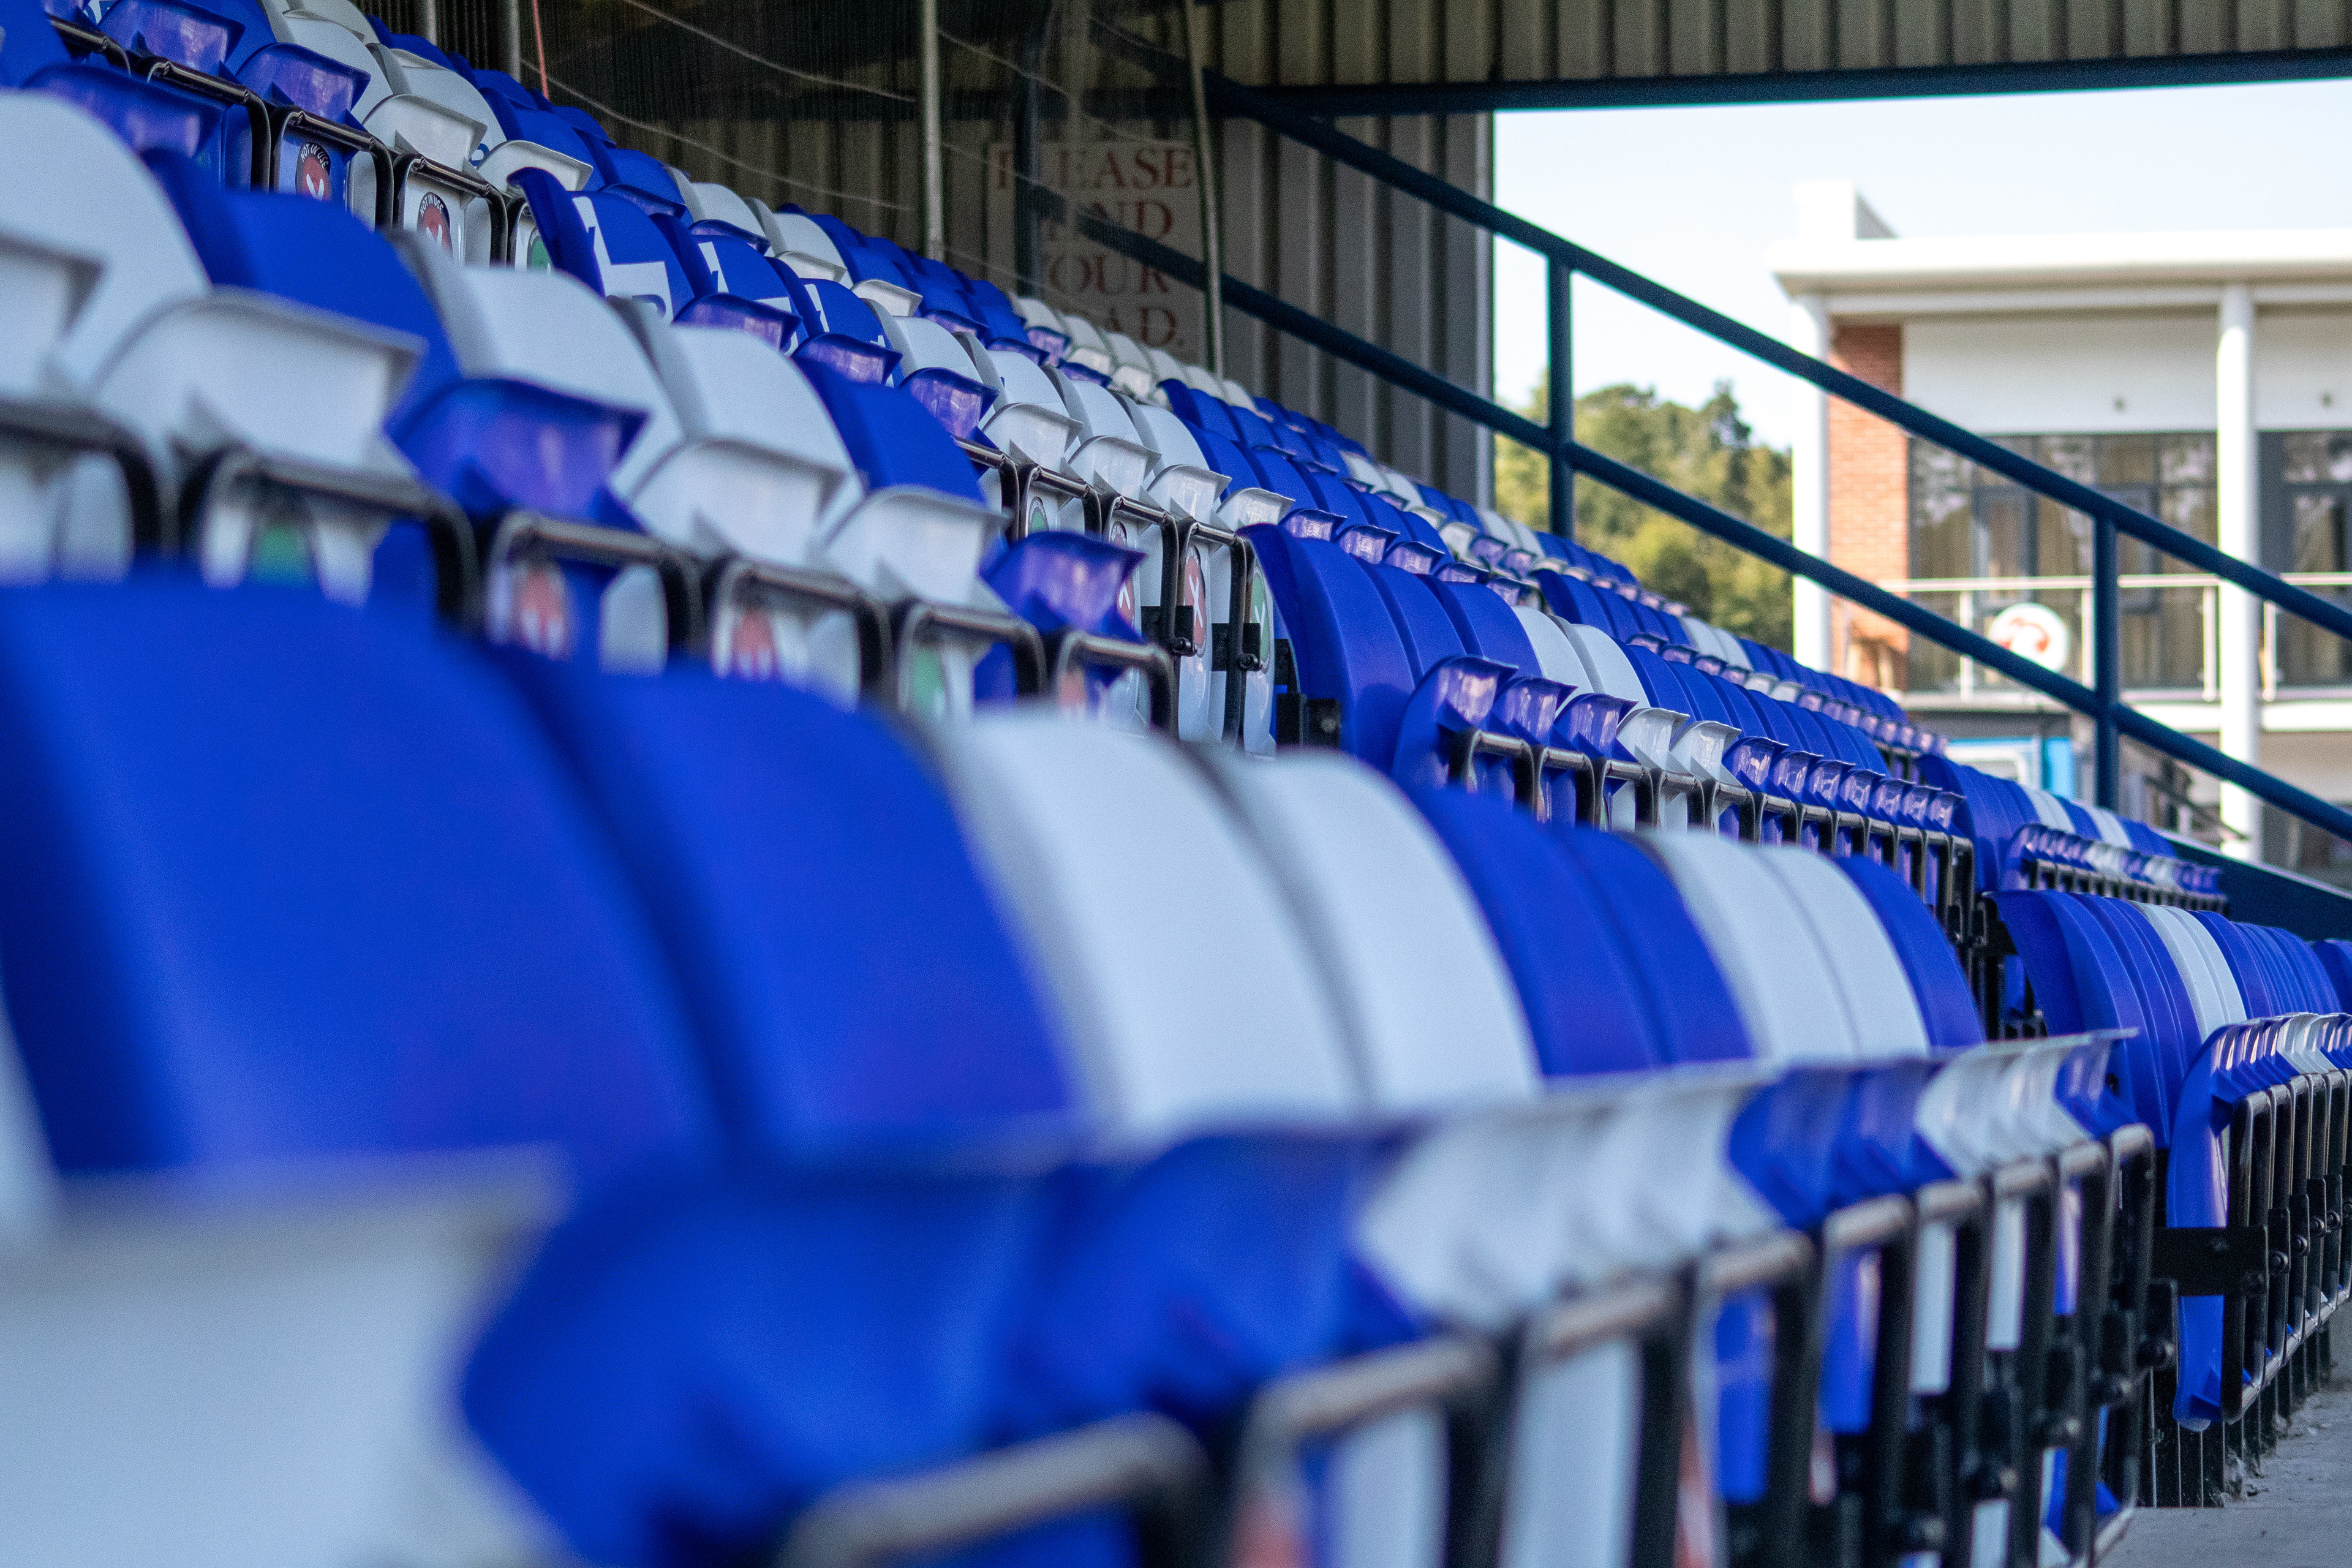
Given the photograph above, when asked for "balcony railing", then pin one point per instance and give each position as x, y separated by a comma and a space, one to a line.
2167, 635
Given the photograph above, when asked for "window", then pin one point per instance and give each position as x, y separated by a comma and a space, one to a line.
2306, 495
1968, 522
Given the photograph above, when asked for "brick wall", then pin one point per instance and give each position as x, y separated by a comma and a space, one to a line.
1869, 505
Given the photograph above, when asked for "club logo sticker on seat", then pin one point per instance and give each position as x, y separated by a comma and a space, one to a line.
314, 173
432, 219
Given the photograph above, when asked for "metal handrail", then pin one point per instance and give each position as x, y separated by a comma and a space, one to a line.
2113, 719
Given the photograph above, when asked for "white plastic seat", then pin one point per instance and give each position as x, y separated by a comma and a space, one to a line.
1131, 368
1164, 367
1221, 1019
189, 370
2050, 809
1039, 315
1870, 975
1787, 988
326, 36
1556, 654
2212, 987
908, 542
924, 345
1648, 733
1086, 345
711, 203
1028, 420
1107, 452
549, 328
402, 73
757, 469
1409, 959
342, 13
803, 246
261, 1379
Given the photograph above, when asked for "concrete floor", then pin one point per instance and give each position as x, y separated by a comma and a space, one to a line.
2296, 1514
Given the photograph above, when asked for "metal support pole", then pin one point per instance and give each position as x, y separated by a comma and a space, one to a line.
511, 36
935, 209
1204, 161
1028, 269
428, 21
2106, 665
1563, 407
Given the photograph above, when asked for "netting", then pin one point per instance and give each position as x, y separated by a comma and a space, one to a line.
1045, 108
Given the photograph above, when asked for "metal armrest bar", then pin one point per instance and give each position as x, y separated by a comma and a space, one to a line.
917, 621
502, 203
84, 41
1146, 1462
287, 120
76, 428
1330, 1399
263, 174
1617, 1311
520, 532
737, 578
1067, 652
1651, 1314
458, 576
1526, 761
1017, 479
1760, 1261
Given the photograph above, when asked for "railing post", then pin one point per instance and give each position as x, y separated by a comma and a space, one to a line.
1563, 401
2106, 664
1028, 271
935, 227
1204, 170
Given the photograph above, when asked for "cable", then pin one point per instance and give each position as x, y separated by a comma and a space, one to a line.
612, 113
760, 59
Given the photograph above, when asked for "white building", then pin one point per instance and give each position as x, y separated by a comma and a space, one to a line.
2204, 378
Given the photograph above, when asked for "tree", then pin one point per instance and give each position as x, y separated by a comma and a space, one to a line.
1708, 452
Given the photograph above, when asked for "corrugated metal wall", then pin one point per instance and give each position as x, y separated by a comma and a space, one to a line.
1331, 240
1535, 40
814, 103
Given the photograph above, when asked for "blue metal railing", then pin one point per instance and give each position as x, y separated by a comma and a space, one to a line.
2102, 702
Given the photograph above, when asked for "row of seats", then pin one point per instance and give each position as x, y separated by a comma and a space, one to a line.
915, 1101
705, 905
1136, 422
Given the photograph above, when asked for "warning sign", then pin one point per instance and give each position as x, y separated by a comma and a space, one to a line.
1150, 187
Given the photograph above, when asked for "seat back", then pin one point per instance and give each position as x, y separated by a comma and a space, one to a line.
1220, 1016
314, 890
546, 328
86, 196
1427, 1002
846, 969
1788, 989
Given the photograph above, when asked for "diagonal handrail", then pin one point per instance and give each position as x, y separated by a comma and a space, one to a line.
1393, 367
1224, 92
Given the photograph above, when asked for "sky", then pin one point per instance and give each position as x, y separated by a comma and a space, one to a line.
1693, 196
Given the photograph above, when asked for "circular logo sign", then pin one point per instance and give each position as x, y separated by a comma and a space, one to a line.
314, 173
2034, 632
432, 219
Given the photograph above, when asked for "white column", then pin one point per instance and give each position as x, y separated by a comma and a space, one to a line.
2239, 638
1809, 332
